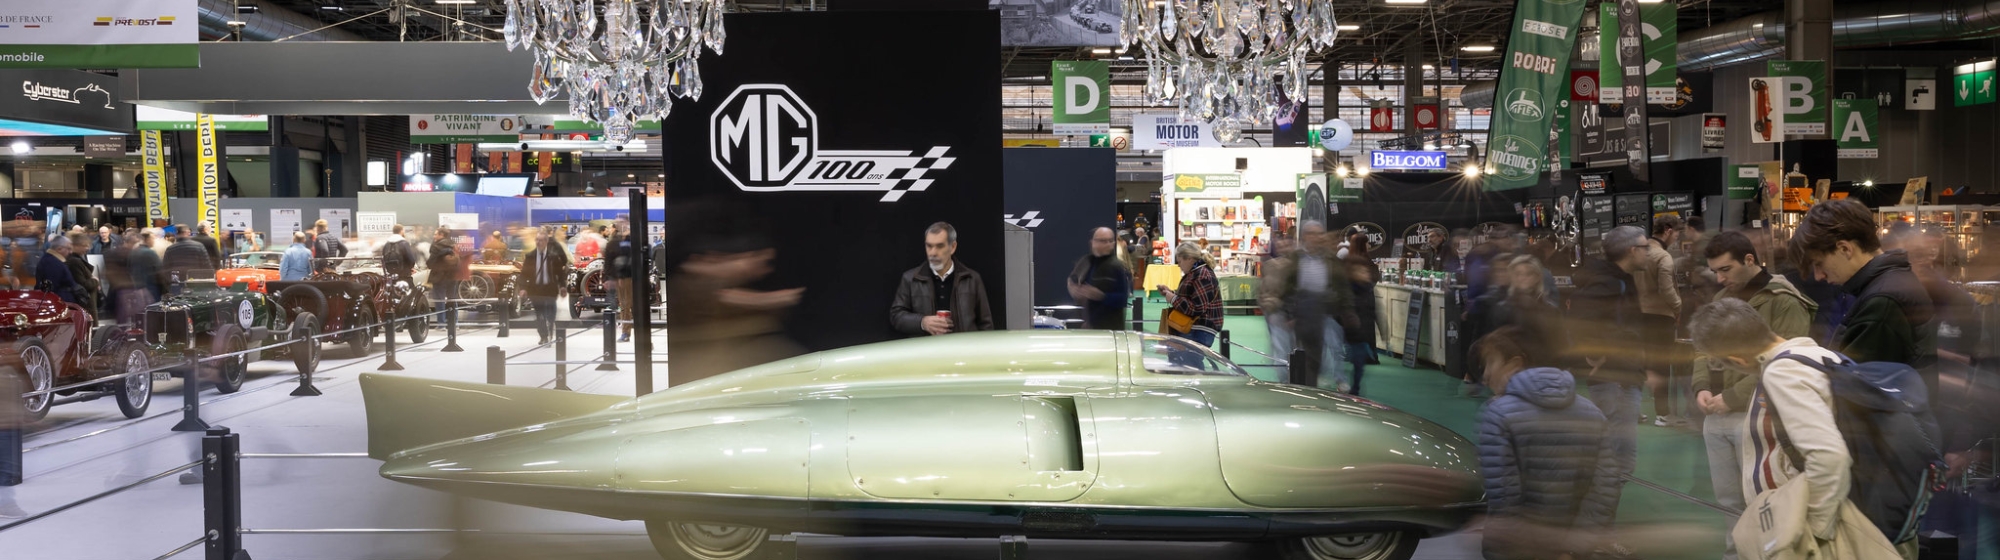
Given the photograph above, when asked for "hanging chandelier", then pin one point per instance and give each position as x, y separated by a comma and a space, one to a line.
1226, 62
619, 61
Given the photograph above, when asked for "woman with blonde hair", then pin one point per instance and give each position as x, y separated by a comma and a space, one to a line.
1199, 296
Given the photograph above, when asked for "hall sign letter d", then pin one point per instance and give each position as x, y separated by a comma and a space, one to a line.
1082, 95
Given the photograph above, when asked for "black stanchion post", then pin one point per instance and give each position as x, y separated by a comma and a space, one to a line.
505, 321
1225, 343
496, 366
12, 417
222, 495
1139, 313
642, 304
610, 342
191, 400
562, 355
451, 329
389, 344
305, 388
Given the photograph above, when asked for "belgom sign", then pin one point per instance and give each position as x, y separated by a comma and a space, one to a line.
1406, 160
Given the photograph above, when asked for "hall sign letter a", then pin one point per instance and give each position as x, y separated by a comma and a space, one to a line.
763, 136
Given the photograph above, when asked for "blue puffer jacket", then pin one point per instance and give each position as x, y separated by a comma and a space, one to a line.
1547, 463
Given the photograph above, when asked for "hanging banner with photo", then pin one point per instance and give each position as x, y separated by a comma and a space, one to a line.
1082, 97
1714, 129
1536, 74
1638, 158
1803, 99
90, 34
1767, 117
209, 200
1856, 125
1660, 28
153, 182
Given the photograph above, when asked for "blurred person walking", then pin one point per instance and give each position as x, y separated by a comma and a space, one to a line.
1724, 393
941, 296
325, 245
544, 270
1604, 344
1551, 484
1794, 444
208, 243
715, 254
90, 292
398, 258
443, 262
1362, 276
53, 275
1101, 283
1198, 302
126, 300
146, 267
621, 259
1270, 295
1660, 307
1313, 289
296, 265
187, 259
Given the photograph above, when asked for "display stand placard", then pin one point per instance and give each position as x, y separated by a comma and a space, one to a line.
1414, 329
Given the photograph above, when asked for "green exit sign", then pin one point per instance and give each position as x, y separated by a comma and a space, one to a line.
1972, 84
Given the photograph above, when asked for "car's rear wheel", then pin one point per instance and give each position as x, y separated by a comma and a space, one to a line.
477, 286
39, 370
1393, 545
133, 393
305, 351
702, 541
418, 326
303, 298
358, 341
228, 373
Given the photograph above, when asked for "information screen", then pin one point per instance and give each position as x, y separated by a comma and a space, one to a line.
503, 185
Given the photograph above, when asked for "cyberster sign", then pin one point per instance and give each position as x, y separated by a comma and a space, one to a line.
765, 139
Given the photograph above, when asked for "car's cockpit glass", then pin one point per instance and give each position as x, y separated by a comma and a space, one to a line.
1177, 356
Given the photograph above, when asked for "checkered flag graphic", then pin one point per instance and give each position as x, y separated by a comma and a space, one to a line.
1027, 220
911, 179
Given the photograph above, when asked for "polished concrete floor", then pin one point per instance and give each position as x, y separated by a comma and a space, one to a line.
290, 504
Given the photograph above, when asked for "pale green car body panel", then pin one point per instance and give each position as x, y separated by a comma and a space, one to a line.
994, 422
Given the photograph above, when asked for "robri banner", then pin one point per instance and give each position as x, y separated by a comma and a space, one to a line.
209, 200
153, 181
1856, 127
93, 34
1082, 97
1803, 99
1536, 73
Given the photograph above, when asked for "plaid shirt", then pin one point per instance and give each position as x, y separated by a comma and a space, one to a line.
1200, 296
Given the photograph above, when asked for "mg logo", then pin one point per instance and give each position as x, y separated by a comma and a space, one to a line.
763, 135
766, 139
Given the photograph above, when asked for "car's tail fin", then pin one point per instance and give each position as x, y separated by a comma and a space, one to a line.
406, 412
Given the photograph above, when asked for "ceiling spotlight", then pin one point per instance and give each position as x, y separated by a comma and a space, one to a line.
246, 9
21, 147
630, 176
1868, 183
1472, 170
1429, 146
454, 2
1477, 48
1101, 51
1406, 2
332, 9
1348, 27
1361, 172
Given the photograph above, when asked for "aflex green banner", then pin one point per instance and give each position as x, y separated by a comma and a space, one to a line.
1855, 128
1662, 33
1744, 181
91, 34
1535, 76
1082, 97
1804, 99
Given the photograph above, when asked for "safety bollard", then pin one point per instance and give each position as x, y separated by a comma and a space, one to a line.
610, 342
1139, 313
451, 330
505, 320
306, 388
562, 355
389, 343
222, 495
10, 453
1225, 343
496, 366
191, 400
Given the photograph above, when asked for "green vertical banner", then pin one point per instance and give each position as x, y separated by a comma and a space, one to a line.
1662, 39
1082, 97
1610, 77
1856, 125
1559, 148
1804, 98
1535, 77
1744, 181
1972, 84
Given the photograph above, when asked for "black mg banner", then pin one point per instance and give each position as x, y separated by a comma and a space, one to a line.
843, 143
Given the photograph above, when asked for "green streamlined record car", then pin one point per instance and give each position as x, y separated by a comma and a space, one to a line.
1058, 434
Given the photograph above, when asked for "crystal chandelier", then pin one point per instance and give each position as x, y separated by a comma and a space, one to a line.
1226, 62
619, 61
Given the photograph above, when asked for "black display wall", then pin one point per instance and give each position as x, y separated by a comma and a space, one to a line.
1396, 201
798, 97
1060, 194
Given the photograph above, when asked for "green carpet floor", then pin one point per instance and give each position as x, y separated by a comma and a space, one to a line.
1658, 524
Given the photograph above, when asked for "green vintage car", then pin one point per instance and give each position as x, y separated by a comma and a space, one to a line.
1058, 434
206, 320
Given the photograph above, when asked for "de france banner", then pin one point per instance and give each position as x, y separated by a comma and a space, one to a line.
154, 182
208, 203
100, 34
1536, 74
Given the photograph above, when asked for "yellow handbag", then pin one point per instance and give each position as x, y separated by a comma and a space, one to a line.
1172, 321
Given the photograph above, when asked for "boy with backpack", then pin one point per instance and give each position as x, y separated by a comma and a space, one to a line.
1837, 461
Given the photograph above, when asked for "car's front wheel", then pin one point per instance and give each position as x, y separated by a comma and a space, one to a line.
1394, 545
702, 541
39, 370
133, 393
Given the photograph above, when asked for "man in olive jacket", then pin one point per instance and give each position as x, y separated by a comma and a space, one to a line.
940, 284
1725, 392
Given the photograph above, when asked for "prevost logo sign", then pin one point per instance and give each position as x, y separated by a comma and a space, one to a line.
765, 138
1406, 160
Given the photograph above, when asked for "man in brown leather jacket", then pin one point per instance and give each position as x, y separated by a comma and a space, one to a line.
942, 296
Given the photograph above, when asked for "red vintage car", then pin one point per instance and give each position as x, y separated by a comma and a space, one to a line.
51, 343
